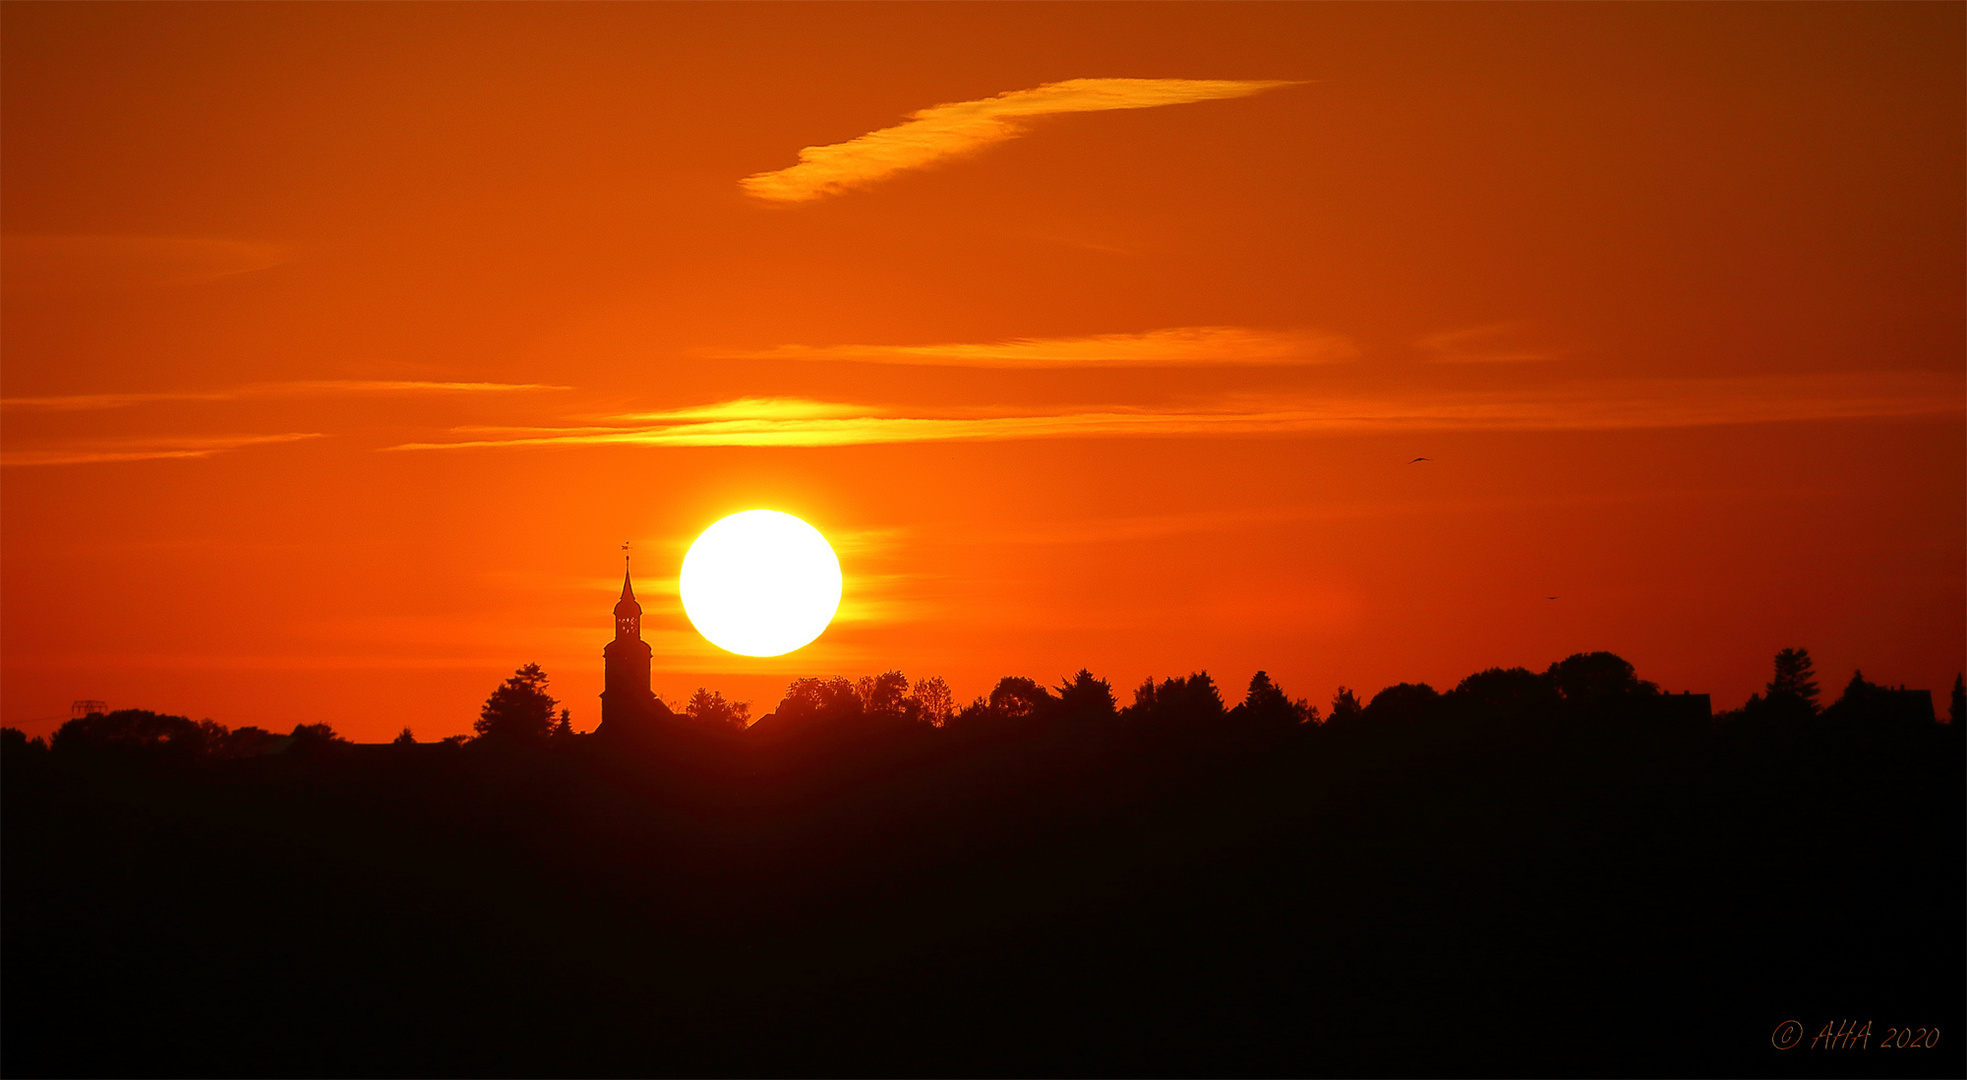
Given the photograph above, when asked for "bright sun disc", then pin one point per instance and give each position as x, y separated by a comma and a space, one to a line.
760, 583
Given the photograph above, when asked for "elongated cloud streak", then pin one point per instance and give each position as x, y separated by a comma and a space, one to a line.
962, 127
1182, 346
1648, 404
144, 449
81, 402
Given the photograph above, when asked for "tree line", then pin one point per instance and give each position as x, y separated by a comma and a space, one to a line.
522, 712
1057, 876
1595, 680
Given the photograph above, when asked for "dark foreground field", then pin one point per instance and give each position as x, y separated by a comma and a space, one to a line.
1553, 894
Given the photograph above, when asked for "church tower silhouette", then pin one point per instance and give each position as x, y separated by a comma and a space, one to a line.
626, 700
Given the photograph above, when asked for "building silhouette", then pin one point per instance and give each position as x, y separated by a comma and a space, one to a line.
627, 703
1902, 706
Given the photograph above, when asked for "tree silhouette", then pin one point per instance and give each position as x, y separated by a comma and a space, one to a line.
1199, 697
1598, 678
314, 739
1505, 690
1266, 703
1190, 698
883, 694
1796, 678
14, 741
1402, 703
810, 699
1016, 696
136, 732
1861, 702
1086, 697
1857, 691
519, 711
931, 702
245, 742
1345, 706
976, 711
709, 707
406, 737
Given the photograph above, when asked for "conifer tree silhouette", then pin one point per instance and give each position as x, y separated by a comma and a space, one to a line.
1266, 703
1796, 678
1086, 696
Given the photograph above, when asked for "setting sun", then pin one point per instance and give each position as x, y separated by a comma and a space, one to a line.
760, 583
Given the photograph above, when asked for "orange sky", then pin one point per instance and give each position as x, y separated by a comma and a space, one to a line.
1091, 334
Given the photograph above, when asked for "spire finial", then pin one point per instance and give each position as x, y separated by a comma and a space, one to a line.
628, 591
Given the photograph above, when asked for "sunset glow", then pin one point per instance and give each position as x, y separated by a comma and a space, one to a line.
1095, 336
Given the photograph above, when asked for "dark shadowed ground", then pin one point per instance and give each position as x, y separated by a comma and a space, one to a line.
1549, 891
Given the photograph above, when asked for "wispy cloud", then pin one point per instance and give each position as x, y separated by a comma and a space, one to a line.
962, 127
1662, 403
1496, 343
1181, 346
753, 408
144, 449
82, 402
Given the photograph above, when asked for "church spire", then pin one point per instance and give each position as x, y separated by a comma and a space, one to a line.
628, 613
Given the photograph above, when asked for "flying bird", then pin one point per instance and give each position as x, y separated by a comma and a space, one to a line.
1420, 459
1550, 597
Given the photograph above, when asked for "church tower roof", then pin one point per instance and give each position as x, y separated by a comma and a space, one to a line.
626, 605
